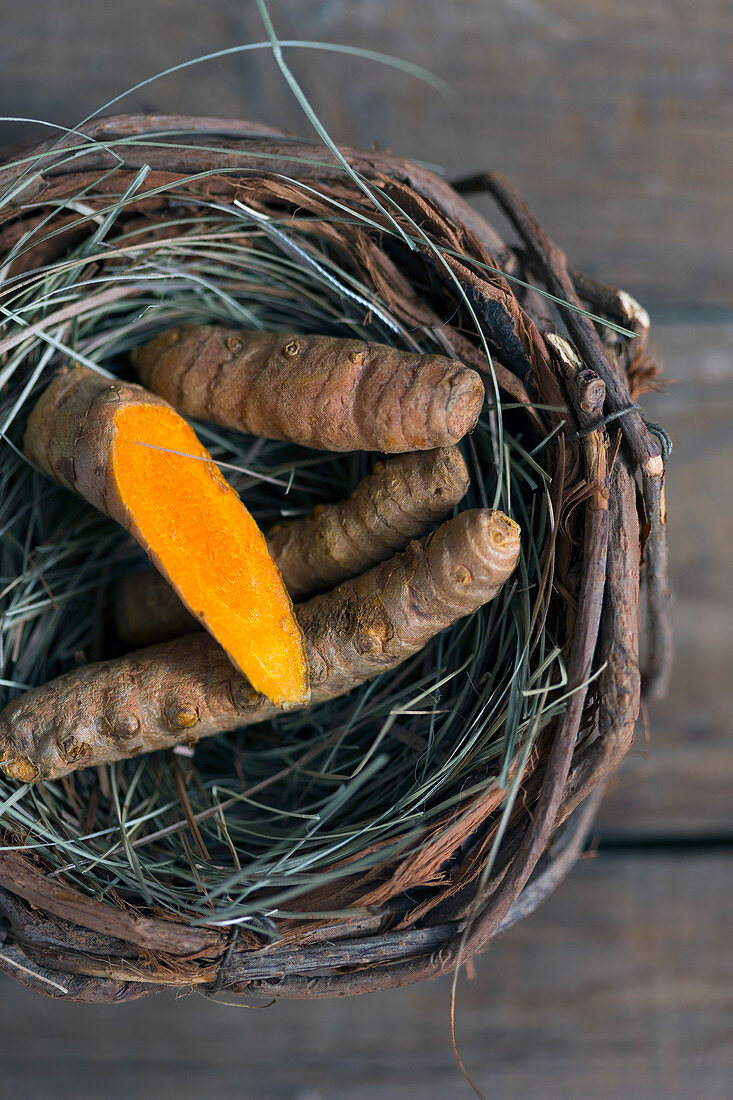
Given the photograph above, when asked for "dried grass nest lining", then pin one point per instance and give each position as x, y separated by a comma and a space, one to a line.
357, 801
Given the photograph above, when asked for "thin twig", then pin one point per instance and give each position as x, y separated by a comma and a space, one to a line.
644, 444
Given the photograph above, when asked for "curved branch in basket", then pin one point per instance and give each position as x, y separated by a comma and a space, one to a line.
399, 500
187, 689
643, 442
619, 694
319, 391
587, 394
268, 151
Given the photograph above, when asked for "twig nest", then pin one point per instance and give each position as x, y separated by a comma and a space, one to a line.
381, 832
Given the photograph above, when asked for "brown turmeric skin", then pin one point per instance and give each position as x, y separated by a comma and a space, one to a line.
401, 498
396, 502
319, 391
133, 457
187, 689
147, 610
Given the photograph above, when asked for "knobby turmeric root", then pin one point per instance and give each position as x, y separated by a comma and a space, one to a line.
396, 502
319, 391
187, 689
113, 444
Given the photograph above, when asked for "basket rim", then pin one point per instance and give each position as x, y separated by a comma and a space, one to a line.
84, 925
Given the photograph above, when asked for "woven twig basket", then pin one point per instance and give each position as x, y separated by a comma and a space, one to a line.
62, 943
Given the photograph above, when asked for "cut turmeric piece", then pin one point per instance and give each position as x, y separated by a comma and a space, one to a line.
132, 456
205, 541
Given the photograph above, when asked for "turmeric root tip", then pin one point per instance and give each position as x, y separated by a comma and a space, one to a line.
399, 500
319, 391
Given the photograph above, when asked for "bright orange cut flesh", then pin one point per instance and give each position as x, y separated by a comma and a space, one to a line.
205, 542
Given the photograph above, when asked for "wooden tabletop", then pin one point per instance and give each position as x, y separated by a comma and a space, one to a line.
615, 119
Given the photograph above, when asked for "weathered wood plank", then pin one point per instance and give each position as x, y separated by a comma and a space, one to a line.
619, 986
613, 117
680, 782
